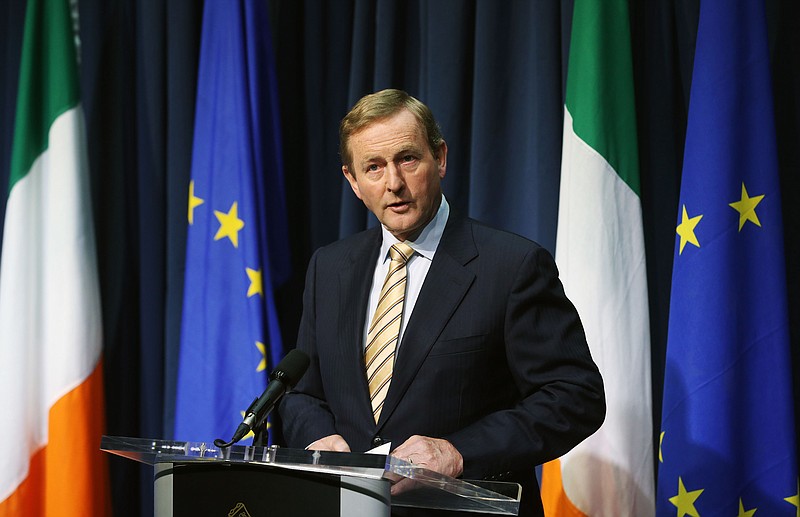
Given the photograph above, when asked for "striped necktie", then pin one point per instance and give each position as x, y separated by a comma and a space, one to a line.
384, 329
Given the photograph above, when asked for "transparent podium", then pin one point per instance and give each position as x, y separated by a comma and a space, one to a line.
198, 478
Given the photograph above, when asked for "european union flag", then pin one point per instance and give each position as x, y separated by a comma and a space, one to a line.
236, 244
727, 435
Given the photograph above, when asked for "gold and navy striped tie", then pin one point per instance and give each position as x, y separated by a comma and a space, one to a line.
384, 329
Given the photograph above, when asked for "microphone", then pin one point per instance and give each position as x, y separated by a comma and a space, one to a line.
282, 378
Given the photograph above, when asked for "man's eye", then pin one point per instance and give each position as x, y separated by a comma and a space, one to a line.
372, 168
408, 158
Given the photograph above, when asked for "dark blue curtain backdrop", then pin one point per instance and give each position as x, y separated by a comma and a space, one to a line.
493, 73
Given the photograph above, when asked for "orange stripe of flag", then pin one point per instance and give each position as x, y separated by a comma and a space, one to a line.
68, 476
555, 500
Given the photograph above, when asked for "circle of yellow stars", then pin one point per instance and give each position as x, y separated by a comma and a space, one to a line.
684, 500
229, 226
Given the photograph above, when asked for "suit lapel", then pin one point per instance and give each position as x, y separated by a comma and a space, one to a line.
355, 279
445, 286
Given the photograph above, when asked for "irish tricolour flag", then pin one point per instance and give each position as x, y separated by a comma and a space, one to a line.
600, 253
51, 390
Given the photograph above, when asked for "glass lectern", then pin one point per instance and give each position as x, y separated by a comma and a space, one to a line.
198, 478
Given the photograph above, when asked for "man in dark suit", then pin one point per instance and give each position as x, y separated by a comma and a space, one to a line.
489, 372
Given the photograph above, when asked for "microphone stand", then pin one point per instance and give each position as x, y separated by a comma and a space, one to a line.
260, 435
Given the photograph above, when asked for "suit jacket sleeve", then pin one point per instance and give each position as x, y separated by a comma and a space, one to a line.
304, 411
561, 399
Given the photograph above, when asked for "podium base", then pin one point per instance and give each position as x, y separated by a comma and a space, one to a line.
237, 490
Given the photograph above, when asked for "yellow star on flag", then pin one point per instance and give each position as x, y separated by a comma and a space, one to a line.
263, 364
747, 208
795, 499
229, 224
684, 501
660, 443
743, 512
194, 202
686, 229
256, 285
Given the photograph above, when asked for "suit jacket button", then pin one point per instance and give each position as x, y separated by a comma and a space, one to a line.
377, 441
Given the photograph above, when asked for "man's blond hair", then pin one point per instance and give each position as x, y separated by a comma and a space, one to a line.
380, 105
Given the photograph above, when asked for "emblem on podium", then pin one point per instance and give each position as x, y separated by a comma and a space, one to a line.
240, 510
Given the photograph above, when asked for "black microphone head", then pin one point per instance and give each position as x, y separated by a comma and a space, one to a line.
291, 368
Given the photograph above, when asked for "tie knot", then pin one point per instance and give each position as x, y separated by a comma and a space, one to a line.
401, 252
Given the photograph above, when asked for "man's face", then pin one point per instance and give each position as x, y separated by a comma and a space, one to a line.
395, 174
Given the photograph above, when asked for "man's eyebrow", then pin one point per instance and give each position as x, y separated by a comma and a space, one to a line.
370, 159
410, 148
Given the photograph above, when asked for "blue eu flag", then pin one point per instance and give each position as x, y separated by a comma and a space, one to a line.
236, 243
727, 434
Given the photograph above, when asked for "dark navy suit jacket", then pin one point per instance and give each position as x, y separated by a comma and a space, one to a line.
493, 358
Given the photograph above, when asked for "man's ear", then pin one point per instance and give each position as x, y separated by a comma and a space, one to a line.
351, 178
441, 159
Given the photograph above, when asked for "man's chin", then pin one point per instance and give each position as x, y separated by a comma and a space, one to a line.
406, 227
406, 234
398, 230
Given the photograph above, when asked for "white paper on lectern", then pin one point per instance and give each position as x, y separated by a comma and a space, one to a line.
384, 449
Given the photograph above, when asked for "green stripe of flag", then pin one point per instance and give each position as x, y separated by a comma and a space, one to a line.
45, 92
600, 94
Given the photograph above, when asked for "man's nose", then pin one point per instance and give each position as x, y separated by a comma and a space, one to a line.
394, 178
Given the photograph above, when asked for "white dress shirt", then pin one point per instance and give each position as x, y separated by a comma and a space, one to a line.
424, 249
